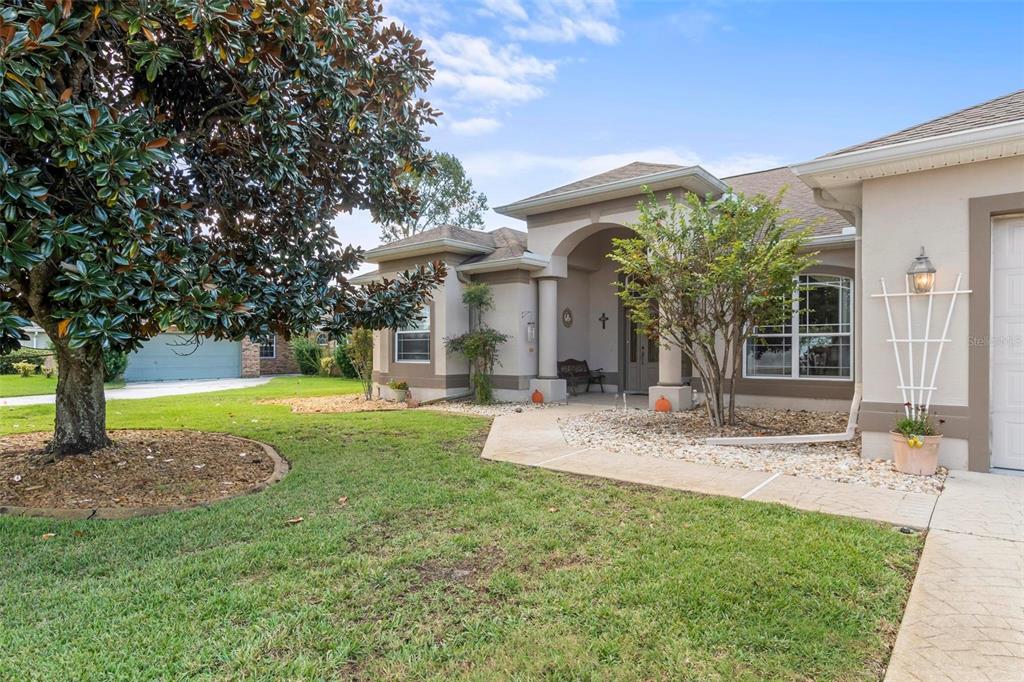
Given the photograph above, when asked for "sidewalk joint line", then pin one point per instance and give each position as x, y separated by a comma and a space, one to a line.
761, 485
555, 459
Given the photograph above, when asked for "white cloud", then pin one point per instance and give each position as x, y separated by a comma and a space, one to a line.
473, 68
566, 21
505, 8
477, 125
696, 23
571, 168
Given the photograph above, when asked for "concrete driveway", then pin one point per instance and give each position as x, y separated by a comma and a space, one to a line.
153, 389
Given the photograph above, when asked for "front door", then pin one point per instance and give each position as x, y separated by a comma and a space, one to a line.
1006, 397
641, 359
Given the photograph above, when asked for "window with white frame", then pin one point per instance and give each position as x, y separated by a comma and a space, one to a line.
268, 348
412, 342
816, 343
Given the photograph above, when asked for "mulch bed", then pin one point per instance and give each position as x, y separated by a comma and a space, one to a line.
141, 469
335, 403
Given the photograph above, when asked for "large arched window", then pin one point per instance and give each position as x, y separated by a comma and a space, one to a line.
817, 342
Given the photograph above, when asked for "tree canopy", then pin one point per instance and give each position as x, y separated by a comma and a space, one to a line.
701, 274
446, 197
179, 162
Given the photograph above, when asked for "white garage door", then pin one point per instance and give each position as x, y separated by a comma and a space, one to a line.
168, 357
1006, 404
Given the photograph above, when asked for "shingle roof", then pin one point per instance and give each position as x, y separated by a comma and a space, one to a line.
503, 242
798, 199
637, 169
999, 110
445, 232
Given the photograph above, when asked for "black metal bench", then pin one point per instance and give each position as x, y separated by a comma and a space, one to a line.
575, 372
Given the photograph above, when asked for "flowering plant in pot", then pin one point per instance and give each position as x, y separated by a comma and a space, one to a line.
915, 442
400, 389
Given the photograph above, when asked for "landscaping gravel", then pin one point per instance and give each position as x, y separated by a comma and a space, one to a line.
681, 436
492, 410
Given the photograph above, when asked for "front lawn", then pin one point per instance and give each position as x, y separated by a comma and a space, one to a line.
12, 385
416, 559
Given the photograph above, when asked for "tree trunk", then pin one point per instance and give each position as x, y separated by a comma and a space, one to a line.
81, 425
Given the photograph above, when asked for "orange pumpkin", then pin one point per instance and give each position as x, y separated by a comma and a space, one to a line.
662, 405
537, 396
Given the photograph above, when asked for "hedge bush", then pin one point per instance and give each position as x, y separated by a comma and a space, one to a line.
35, 356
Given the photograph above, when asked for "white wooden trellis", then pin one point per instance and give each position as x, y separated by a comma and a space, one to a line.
915, 406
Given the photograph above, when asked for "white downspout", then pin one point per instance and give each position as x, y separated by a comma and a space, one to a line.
848, 211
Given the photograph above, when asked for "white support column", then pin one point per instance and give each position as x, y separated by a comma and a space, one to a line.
547, 328
547, 382
670, 382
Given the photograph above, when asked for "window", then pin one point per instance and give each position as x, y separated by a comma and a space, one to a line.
268, 349
412, 342
816, 343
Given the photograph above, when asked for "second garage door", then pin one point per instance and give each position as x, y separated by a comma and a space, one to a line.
1007, 348
169, 357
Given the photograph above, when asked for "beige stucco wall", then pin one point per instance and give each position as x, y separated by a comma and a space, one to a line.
514, 309
900, 215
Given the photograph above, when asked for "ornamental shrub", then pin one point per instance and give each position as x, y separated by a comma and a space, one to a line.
307, 355
114, 364
34, 356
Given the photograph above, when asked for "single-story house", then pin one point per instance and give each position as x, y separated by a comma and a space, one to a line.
954, 186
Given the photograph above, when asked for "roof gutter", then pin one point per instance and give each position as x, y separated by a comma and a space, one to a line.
1001, 132
524, 262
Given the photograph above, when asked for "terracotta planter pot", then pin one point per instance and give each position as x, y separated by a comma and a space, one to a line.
920, 461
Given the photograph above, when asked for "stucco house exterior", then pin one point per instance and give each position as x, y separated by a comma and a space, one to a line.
954, 185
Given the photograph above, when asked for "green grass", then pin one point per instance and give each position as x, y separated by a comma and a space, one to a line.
12, 385
440, 566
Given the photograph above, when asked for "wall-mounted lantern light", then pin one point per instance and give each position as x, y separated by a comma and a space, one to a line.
923, 273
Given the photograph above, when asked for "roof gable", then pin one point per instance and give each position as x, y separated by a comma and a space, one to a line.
637, 169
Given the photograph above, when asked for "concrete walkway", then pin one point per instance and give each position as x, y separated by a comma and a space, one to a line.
534, 438
964, 620
965, 617
154, 389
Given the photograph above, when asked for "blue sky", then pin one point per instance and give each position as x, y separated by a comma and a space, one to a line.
538, 94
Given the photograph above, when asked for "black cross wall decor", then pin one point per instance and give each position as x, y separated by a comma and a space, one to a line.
604, 318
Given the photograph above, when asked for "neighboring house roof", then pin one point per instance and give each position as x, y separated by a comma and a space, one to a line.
993, 112
798, 199
637, 169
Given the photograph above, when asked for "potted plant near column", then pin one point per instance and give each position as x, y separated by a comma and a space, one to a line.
915, 442
400, 389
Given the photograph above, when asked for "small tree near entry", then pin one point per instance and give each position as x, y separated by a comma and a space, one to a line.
179, 162
703, 274
480, 344
359, 349
446, 197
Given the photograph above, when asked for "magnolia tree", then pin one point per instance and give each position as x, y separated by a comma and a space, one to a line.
703, 274
179, 162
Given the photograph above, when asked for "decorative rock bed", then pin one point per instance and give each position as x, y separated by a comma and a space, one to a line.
142, 473
682, 436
